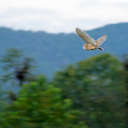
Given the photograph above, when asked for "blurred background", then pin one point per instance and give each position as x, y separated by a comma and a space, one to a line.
47, 80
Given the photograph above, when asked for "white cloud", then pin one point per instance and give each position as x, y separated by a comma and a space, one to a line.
61, 15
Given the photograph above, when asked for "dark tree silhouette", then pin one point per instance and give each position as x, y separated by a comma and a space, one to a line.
16, 67
12, 96
21, 73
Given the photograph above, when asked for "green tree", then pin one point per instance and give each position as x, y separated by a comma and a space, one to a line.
16, 67
41, 105
3, 103
125, 74
96, 88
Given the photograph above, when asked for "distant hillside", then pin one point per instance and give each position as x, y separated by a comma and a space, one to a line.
54, 51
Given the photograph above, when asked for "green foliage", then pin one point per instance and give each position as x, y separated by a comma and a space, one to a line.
96, 88
125, 75
41, 105
91, 93
12, 62
3, 103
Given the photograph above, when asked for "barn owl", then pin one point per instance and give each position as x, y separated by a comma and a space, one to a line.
91, 44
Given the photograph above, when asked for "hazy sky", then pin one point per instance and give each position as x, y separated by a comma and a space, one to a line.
61, 15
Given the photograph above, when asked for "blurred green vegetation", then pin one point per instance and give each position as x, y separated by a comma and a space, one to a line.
89, 94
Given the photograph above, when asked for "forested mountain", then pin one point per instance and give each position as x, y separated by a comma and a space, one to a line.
55, 51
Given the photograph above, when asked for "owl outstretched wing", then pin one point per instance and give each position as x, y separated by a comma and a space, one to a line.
101, 40
85, 37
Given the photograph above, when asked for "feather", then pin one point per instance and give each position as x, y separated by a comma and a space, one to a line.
101, 40
90, 43
85, 37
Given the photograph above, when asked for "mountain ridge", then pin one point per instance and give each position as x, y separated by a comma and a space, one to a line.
54, 51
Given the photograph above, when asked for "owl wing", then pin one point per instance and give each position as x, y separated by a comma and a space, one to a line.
85, 37
101, 40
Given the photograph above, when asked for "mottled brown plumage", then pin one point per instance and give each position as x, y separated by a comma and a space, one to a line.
90, 43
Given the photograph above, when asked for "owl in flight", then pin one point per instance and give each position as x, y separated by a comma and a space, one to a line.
91, 44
